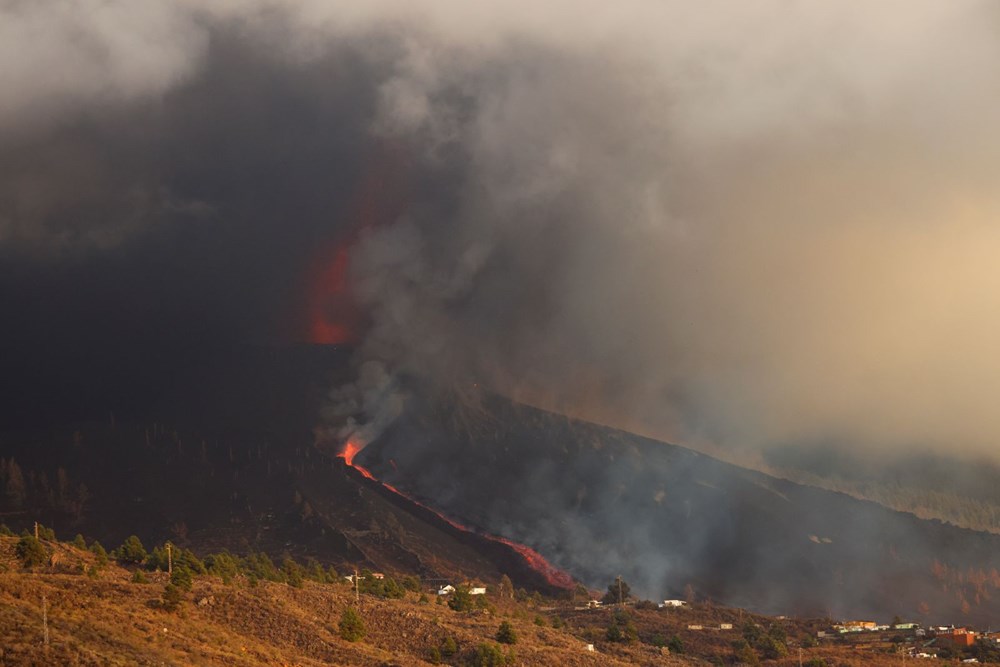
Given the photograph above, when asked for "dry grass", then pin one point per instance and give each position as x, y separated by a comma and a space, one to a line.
109, 620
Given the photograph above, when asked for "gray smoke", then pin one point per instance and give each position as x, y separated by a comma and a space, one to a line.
725, 223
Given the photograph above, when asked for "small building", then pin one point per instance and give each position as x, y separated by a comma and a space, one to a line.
378, 575
590, 648
695, 627
447, 589
477, 590
857, 626
673, 603
725, 626
594, 604
905, 626
960, 637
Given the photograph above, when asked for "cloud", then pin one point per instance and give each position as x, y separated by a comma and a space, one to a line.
743, 224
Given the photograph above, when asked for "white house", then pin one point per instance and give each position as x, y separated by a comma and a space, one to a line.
673, 603
447, 589
477, 590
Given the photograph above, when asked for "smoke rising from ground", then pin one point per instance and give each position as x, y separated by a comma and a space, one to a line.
738, 224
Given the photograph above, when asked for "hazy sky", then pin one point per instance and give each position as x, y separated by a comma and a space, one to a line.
743, 223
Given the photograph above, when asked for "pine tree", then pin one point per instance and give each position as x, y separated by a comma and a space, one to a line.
506, 633
352, 628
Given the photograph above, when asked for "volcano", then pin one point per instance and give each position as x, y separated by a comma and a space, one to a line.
599, 502
471, 485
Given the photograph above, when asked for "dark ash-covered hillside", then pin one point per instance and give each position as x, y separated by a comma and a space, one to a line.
601, 502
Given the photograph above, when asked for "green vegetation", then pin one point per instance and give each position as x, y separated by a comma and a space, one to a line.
172, 597
490, 655
100, 553
618, 591
79, 542
460, 600
182, 578
622, 629
385, 588
131, 552
31, 551
351, 627
506, 633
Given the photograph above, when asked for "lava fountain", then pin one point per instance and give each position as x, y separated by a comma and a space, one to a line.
553, 575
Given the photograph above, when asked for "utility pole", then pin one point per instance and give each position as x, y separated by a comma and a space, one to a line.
800, 656
357, 590
170, 559
621, 598
36, 530
45, 624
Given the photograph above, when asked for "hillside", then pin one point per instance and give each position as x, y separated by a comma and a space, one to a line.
600, 502
105, 617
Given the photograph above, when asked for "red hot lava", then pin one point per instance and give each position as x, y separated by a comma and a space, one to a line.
553, 575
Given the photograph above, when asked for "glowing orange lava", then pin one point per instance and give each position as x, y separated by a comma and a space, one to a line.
553, 575
351, 450
331, 312
331, 315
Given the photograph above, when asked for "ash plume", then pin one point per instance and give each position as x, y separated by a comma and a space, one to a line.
726, 224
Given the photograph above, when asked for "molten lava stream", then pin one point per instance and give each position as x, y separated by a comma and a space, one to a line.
553, 575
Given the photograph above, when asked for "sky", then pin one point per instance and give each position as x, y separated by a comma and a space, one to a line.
729, 223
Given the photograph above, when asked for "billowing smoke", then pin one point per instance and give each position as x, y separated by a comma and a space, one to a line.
738, 224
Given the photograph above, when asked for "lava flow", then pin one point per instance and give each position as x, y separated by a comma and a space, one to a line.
553, 575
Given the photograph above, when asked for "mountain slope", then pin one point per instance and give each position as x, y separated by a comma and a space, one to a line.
601, 502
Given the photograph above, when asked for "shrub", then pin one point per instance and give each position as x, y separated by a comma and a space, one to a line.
352, 628
261, 566
157, 559
449, 647
5, 531
315, 571
675, 645
98, 550
187, 559
181, 578
618, 590
222, 565
46, 533
139, 578
488, 655
506, 633
31, 551
540, 621
172, 597
131, 551
460, 600
293, 572
79, 542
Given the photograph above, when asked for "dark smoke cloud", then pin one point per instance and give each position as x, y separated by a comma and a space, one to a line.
729, 224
